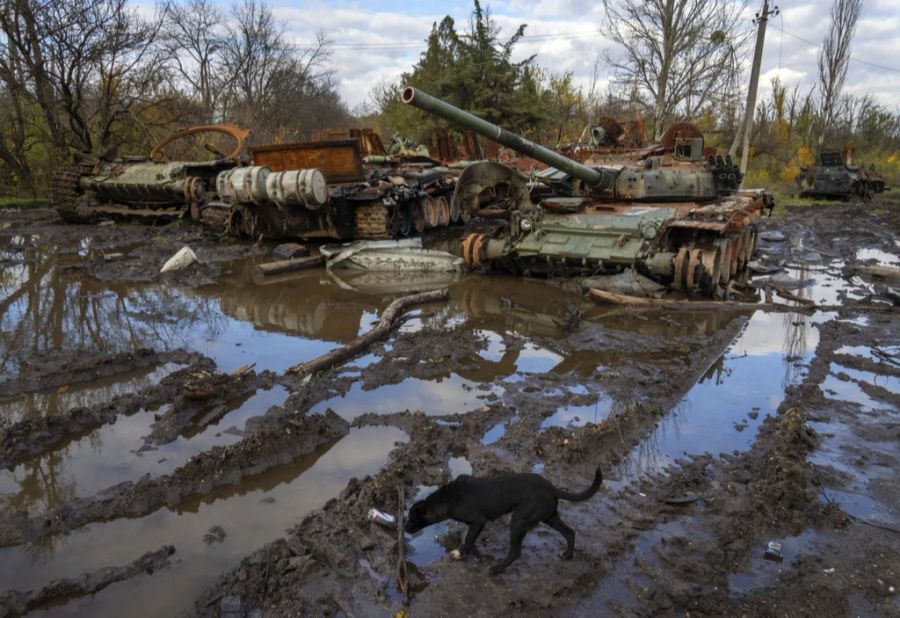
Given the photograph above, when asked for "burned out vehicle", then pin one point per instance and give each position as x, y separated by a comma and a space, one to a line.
831, 177
148, 188
668, 212
322, 189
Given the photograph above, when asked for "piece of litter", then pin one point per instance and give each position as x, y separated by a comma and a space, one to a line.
829, 571
773, 552
184, 258
385, 519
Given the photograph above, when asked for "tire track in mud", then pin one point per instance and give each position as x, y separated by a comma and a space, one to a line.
59, 591
63, 370
278, 437
35, 436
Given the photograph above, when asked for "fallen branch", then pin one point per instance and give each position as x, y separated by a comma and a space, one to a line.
881, 272
694, 305
379, 331
286, 266
791, 296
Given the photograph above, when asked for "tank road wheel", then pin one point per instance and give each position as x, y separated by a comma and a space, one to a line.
431, 211
443, 209
401, 221
694, 270
455, 214
681, 263
725, 263
735, 246
710, 263
474, 247
418, 216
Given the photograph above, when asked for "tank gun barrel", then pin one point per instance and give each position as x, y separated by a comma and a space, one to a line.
428, 103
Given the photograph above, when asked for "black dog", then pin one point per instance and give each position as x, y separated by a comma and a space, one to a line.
475, 501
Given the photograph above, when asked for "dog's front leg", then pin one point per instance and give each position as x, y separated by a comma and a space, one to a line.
468, 548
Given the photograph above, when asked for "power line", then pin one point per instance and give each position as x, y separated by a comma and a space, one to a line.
854, 58
420, 44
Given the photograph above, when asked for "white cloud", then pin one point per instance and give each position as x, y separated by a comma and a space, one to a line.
380, 39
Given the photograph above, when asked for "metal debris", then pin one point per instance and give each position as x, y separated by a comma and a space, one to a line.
390, 255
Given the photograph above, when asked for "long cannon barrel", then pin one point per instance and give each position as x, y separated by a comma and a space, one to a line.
428, 103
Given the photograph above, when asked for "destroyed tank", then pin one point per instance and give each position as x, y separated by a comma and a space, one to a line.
668, 212
378, 196
145, 188
322, 189
831, 177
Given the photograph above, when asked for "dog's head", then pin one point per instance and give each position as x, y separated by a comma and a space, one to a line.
418, 517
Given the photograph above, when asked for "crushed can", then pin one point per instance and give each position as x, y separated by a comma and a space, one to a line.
773, 552
384, 519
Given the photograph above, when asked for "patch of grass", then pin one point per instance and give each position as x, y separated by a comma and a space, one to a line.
13, 201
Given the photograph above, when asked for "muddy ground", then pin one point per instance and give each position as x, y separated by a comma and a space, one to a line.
140, 411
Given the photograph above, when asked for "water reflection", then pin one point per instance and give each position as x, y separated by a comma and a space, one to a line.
723, 410
248, 520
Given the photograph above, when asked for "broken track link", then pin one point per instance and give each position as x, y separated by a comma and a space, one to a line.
373, 222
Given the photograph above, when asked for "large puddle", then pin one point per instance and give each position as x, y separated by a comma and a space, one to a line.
252, 513
47, 309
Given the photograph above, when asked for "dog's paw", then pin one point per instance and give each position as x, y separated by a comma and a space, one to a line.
567, 555
496, 569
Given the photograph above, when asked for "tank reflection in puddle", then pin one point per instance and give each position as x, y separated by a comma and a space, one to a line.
249, 522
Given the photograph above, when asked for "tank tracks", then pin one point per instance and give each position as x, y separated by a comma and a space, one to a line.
64, 193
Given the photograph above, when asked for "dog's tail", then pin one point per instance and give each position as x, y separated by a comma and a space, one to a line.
582, 495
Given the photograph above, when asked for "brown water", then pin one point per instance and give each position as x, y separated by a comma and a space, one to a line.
46, 309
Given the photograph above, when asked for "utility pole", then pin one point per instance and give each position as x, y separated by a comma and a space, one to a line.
760, 21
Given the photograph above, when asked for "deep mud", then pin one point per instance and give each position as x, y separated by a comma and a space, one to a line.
718, 432
60, 591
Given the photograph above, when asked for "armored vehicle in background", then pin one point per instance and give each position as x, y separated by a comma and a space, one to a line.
667, 210
831, 177
344, 187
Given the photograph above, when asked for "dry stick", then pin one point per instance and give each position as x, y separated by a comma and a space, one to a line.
693, 305
402, 574
379, 331
791, 296
286, 266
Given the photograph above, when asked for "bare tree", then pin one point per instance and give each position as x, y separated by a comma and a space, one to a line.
86, 63
677, 54
834, 57
272, 79
194, 39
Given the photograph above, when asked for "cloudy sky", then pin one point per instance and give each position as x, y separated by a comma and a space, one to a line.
377, 40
